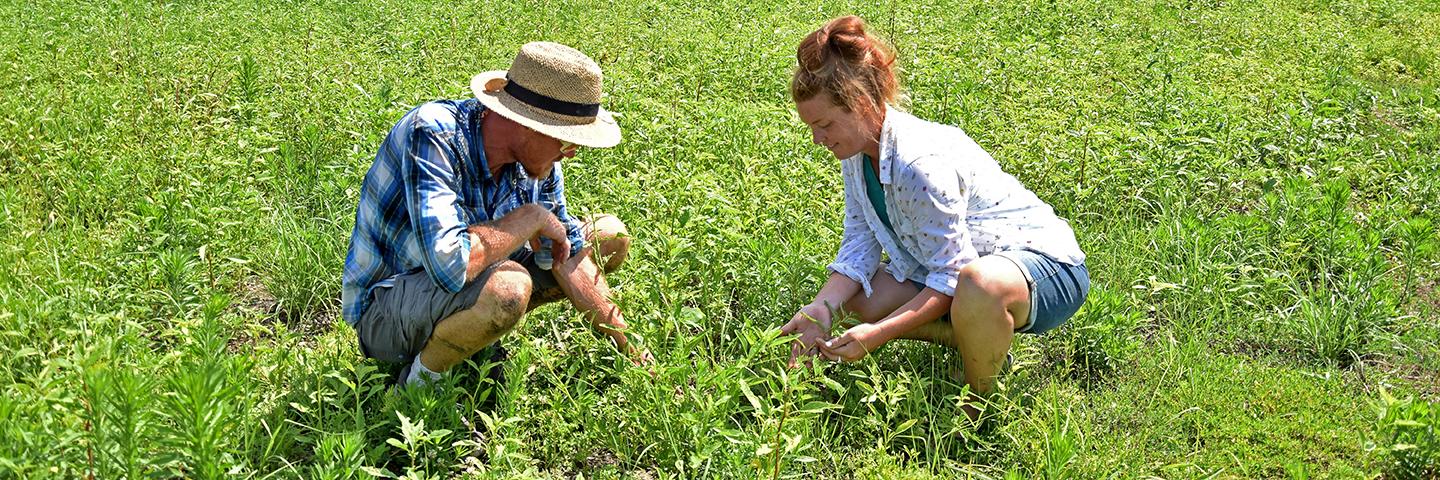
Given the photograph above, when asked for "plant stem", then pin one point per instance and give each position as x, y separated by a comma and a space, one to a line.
779, 432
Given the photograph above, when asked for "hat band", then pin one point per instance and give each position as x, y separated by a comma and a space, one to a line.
550, 104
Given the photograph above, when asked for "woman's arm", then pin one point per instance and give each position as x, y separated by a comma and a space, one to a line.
857, 342
812, 322
933, 196
927, 306
836, 291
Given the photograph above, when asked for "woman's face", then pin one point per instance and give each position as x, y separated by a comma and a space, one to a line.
843, 132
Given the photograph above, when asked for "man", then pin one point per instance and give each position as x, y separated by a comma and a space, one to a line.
462, 225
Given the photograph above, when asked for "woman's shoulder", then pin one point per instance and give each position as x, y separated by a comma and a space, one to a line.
909, 124
917, 144
914, 138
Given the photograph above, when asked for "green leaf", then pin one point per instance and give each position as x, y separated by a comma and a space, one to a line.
377, 472
754, 401
816, 406
734, 436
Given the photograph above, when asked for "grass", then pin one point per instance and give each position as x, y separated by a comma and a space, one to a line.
1253, 183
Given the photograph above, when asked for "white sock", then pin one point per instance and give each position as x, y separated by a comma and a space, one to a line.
419, 375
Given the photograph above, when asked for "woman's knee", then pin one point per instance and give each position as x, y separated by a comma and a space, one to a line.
888, 295
984, 292
863, 307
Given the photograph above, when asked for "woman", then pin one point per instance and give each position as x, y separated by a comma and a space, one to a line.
974, 256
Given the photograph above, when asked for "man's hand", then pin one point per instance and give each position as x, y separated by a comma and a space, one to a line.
855, 343
639, 356
812, 322
494, 241
550, 228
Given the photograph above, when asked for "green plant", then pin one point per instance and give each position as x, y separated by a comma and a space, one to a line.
339, 456
1407, 436
1418, 241
787, 398
420, 446
121, 419
1060, 449
204, 403
1103, 336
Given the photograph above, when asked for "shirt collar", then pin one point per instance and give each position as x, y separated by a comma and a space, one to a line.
888, 134
472, 110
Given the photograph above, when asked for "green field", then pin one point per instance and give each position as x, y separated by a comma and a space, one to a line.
1255, 184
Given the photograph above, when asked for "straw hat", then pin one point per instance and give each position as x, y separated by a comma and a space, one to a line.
554, 90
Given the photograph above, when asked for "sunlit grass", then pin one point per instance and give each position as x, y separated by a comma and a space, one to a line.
1253, 183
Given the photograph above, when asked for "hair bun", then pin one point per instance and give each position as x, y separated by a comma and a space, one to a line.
846, 36
848, 62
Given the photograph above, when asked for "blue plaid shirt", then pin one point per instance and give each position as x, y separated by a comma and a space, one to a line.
430, 181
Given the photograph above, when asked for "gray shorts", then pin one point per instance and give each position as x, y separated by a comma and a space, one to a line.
400, 318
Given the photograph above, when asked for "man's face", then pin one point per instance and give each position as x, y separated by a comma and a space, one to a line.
538, 152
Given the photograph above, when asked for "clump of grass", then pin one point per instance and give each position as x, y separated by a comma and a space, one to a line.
1347, 296
1407, 436
303, 269
1338, 327
1061, 447
1102, 337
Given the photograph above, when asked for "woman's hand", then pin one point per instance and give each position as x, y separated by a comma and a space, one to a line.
855, 343
812, 322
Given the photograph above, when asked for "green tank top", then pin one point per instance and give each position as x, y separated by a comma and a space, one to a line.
877, 196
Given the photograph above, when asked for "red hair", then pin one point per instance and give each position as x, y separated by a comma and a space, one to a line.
848, 62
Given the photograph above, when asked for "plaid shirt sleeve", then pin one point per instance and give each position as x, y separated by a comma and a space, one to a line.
554, 190
434, 207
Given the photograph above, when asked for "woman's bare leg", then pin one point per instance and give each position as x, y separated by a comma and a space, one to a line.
992, 300
890, 295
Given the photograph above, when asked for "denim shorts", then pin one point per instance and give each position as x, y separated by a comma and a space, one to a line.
1057, 290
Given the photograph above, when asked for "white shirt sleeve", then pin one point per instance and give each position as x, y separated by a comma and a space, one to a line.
933, 195
859, 254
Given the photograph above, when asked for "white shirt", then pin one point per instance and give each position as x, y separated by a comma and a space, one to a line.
949, 203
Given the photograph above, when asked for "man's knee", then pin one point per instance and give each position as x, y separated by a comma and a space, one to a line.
507, 294
611, 240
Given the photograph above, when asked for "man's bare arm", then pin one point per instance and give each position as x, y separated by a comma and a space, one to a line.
494, 241
584, 283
